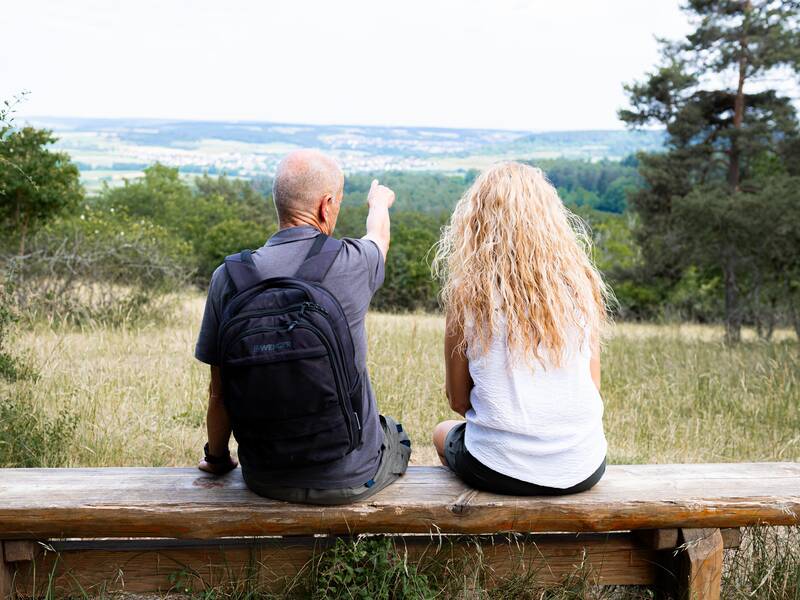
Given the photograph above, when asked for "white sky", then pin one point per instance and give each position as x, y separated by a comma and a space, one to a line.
511, 64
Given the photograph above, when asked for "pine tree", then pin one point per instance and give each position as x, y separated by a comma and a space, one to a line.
712, 93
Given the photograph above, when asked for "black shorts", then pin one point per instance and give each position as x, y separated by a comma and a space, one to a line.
477, 475
395, 452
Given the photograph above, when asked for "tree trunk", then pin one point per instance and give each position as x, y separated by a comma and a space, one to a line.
755, 303
22, 223
23, 230
794, 314
734, 174
733, 324
771, 319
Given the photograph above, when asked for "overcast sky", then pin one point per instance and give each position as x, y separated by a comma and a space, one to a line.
510, 64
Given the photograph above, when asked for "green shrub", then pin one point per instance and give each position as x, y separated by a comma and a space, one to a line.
31, 438
99, 266
213, 218
696, 297
224, 238
367, 568
408, 284
12, 367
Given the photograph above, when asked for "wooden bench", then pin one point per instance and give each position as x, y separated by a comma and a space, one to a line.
134, 528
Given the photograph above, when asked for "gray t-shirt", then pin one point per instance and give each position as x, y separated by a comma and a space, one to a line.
354, 277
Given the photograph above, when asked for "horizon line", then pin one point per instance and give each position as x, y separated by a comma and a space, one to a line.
310, 124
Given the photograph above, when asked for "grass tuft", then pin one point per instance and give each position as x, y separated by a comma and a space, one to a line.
29, 437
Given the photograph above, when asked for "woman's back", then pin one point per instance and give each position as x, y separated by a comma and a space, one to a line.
541, 422
524, 307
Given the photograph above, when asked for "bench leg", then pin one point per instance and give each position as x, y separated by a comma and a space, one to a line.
6, 575
699, 564
13, 552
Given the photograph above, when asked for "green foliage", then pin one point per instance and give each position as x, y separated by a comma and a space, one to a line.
243, 196
695, 297
422, 192
12, 368
703, 200
215, 218
8, 108
29, 437
36, 184
369, 569
602, 186
425, 200
408, 284
224, 238
101, 266
8, 364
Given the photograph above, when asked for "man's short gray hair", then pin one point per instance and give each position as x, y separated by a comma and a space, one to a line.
303, 178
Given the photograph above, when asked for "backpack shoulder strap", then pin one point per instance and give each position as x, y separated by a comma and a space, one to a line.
319, 259
242, 270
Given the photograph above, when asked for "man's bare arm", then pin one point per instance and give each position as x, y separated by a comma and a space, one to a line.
379, 200
218, 424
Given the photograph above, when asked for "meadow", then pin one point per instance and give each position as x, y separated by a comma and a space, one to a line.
134, 395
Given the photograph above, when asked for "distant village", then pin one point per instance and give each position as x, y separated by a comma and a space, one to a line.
108, 152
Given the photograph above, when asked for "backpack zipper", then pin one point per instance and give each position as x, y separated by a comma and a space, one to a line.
343, 400
245, 334
256, 313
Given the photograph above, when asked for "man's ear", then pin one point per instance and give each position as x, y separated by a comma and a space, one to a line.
325, 209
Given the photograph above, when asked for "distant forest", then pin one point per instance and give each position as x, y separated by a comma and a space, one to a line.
702, 224
594, 190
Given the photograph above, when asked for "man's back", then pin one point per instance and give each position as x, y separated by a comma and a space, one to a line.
353, 278
308, 189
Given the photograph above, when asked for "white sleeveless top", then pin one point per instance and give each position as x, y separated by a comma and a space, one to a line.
540, 424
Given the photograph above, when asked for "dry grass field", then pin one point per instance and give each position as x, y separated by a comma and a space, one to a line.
672, 393
134, 395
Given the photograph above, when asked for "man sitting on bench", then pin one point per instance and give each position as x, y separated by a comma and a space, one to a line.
284, 333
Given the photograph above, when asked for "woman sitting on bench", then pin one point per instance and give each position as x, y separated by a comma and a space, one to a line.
524, 308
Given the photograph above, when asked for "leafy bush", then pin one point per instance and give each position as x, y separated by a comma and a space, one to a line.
696, 297
225, 238
408, 284
367, 568
213, 218
98, 266
12, 367
31, 438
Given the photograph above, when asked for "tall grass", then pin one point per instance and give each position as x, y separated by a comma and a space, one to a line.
134, 395
672, 393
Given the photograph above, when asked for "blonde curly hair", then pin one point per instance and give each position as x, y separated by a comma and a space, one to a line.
512, 245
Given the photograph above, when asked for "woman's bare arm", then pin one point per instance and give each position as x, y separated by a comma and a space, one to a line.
457, 378
594, 363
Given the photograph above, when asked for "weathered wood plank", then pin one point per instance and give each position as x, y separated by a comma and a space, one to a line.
731, 537
701, 576
667, 539
658, 539
18, 551
272, 564
184, 503
6, 576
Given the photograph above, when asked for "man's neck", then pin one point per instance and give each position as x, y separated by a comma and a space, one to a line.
299, 221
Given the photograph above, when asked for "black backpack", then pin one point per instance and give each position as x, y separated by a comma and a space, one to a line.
290, 382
